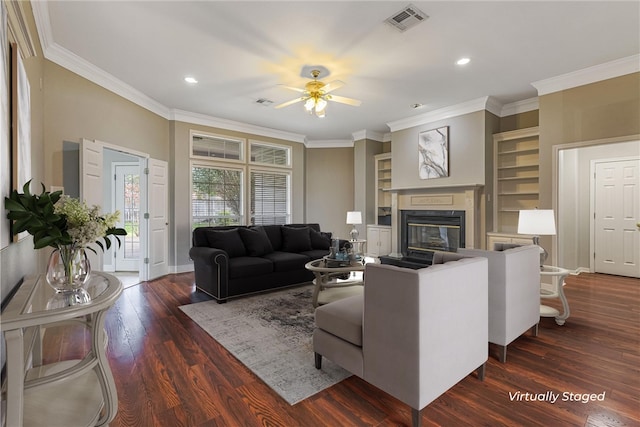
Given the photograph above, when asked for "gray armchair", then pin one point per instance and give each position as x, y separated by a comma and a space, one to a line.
414, 333
514, 292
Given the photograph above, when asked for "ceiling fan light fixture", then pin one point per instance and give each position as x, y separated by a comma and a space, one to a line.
321, 104
309, 104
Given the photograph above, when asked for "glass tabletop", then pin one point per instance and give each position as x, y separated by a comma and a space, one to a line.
35, 300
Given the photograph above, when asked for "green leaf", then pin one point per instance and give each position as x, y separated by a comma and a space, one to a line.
12, 205
43, 242
101, 246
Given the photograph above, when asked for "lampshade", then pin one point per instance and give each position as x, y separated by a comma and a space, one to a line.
538, 222
354, 217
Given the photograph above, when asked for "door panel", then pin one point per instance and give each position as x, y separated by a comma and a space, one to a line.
91, 158
617, 215
158, 187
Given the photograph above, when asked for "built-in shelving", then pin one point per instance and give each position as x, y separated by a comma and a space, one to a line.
516, 176
383, 187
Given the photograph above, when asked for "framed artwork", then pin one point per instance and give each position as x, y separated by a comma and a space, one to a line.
21, 125
433, 153
5, 133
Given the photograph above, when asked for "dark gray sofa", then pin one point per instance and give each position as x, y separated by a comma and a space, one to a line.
232, 261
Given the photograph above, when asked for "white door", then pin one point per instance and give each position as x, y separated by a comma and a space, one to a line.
617, 217
127, 201
91, 158
158, 219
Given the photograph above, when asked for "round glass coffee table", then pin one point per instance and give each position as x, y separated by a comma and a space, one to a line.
330, 284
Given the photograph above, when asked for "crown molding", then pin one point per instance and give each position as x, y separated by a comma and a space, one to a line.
518, 107
216, 122
444, 113
330, 143
83, 68
368, 134
19, 29
608, 70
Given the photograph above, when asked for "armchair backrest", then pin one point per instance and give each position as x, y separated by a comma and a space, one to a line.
425, 329
514, 290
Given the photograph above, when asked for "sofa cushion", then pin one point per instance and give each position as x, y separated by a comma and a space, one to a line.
227, 240
343, 318
296, 239
249, 266
315, 253
287, 261
275, 236
255, 241
319, 240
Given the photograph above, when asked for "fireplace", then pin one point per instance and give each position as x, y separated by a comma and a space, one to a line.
423, 232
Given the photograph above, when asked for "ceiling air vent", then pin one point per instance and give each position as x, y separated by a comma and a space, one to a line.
406, 18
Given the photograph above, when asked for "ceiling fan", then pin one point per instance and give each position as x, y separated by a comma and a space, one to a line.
316, 94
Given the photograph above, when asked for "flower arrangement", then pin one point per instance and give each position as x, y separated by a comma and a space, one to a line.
57, 220
66, 224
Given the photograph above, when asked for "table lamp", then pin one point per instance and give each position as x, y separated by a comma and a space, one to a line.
538, 222
353, 218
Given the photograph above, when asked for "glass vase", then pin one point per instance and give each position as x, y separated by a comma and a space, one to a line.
68, 268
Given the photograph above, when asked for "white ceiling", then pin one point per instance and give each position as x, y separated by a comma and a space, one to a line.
241, 51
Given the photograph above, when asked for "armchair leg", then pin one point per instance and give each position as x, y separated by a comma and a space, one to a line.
416, 417
502, 356
534, 330
318, 360
481, 371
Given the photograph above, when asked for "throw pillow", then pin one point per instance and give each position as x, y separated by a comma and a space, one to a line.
256, 241
296, 239
227, 240
320, 240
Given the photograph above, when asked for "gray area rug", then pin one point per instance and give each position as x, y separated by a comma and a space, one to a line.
271, 335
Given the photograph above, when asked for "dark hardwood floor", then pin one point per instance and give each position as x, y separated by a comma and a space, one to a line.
169, 372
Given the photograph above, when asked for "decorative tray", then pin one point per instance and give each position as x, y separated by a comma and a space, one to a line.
336, 263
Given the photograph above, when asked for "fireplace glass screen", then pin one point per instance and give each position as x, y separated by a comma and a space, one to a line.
433, 237
428, 231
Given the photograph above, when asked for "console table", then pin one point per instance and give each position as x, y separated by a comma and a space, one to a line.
71, 392
557, 274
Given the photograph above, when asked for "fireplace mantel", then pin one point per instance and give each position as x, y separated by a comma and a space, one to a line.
463, 197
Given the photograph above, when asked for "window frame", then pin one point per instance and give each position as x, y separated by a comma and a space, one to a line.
241, 141
276, 171
218, 165
286, 148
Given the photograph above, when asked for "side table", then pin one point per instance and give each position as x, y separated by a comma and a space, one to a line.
71, 392
557, 275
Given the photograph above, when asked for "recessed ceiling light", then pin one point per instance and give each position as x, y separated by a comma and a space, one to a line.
190, 79
463, 61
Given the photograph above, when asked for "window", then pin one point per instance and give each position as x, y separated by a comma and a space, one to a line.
216, 147
216, 197
235, 183
269, 198
267, 154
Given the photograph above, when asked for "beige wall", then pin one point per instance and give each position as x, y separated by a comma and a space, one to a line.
330, 189
19, 259
466, 153
76, 108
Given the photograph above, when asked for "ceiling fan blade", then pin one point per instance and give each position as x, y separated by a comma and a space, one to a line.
286, 104
345, 100
336, 84
297, 89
